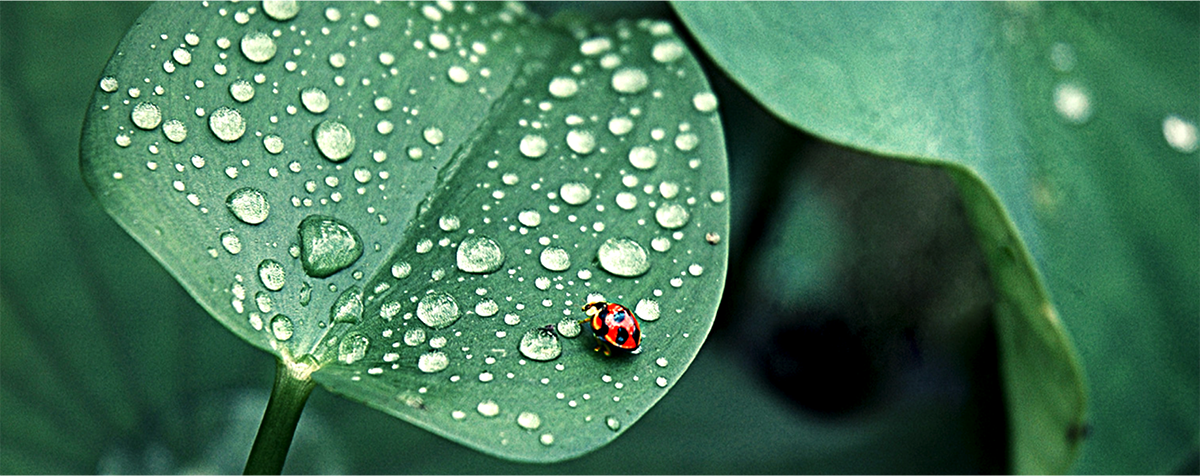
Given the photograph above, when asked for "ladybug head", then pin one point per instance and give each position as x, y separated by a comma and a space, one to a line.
593, 309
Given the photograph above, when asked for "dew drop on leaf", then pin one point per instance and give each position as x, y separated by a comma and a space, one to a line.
568, 327
348, 307
281, 327
623, 257
529, 420
271, 273
437, 310
227, 124
327, 245
314, 99
630, 80
488, 408
334, 140
705, 102
647, 310
434, 361
540, 344
175, 131
146, 116
575, 193
671, 216
643, 157
258, 47
241, 90
231, 242
479, 254
248, 205
281, 10
533, 146
555, 259
353, 348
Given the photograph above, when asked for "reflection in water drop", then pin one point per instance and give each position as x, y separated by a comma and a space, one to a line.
248, 205
327, 245
479, 254
623, 257
437, 310
353, 348
271, 273
334, 140
540, 344
433, 361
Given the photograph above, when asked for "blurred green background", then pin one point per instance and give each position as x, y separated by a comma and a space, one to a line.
854, 334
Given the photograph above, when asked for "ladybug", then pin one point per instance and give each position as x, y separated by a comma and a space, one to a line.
615, 326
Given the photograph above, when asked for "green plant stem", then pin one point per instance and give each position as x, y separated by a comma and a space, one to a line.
278, 426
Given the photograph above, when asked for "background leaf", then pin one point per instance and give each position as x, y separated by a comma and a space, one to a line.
411, 190
1047, 138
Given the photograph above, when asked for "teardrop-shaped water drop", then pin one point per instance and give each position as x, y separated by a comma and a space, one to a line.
623, 257
327, 245
281, 327
248, 205
437, 310
353, 348
479, 254
348, 307
540, 344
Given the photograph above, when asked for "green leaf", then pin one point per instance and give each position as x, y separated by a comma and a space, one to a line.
1070, 130
395, 195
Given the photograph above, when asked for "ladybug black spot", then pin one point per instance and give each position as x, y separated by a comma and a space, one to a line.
618, 317
637, 335
622, 335
602, 330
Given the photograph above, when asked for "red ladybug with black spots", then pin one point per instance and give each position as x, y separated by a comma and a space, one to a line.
615, 326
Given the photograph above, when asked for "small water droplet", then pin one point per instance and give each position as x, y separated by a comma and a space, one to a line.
540, 344
705, 101
241, 90
568, 327
448, 222
623, 257
334, 140
479, 254
575, 193
686, 142
671, 216
643, 157
146, 116
433, 136
661, 361
581, 142
281, 327
530, 218
227, 124
315, 100
271, 273
612, 423
175, 131
401, 270
546, 439
327, 245
433, 361
414, 337
258, 47
248, 205
529, 420
1072, 103
353, 348
595, 46
437, 310
630, 80
661, 381
109, 84
231, 242
348, 307
667, 51
488, 408
563, 87
486, 308
647, 310
533, 146
281, 10
555, 259
1180, 134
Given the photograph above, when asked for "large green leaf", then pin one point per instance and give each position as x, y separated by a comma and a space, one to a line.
502, 173
1070, 130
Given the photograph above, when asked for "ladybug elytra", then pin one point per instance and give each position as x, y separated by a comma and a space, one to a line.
615, 327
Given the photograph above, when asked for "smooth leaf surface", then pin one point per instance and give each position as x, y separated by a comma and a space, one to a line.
1070, 129
411, 263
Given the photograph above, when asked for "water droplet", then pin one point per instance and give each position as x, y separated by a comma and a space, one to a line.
227, 124
348, 307
671, 216
660, 244
540, 344
109, 84
686, 142
595, 46
488, 408
555, 259
623, 257
258, 47
458, 74
315, 100
175, 131
231, 242
568, 327
612, 423
327, 245
1180, 134
281, 327
630, 80
433, 361
705, 101
123, 140
146, 115
1072, 103
334, 140
647, 310
241, 90
479, 254
337, 60
643, 157
437, 310
433, 136
448, 222
414, 337
546, 439
661, 361
401, 270
263, 301
533, 146
667, 51
581, 142
563, 87
281, 10
575, 193
248, 205
530, 218
353, 348
273, 144
271, 273
661, 381
486, 308
439, 40
529, 420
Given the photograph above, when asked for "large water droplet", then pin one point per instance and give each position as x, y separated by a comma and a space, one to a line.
248, 205
327, 245
647, 310
334, 140
541, 344
671, 216
563, 87
271, 273
479, 254
643, 157
258, 47
667, 51
227, 124
533, 146
705, 101
623, 257
568, 327
353, 348
529, 420
315, 100
146, 115
437, 310
348, 307
281, 327
581, 142
433, 361
175, 131
281, 9
488, 408
575, 193
630, 80
1180, 134
241, 90
555, 259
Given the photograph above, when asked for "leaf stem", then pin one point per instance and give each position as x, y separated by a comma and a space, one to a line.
288, 395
